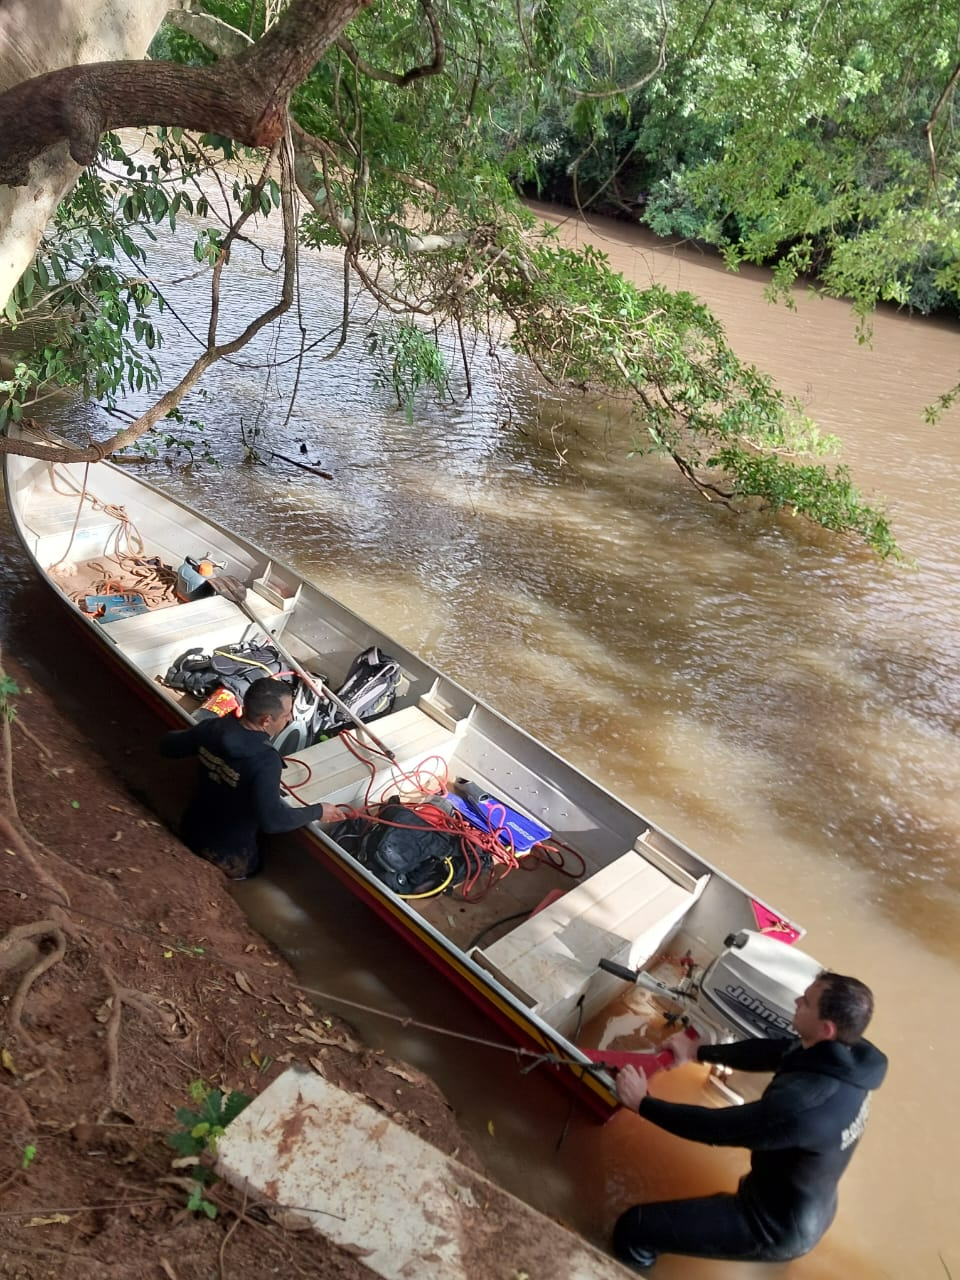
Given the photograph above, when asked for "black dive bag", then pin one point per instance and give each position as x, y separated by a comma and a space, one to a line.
411, 857
232, 666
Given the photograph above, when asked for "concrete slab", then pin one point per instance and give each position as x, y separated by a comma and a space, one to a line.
401, 1206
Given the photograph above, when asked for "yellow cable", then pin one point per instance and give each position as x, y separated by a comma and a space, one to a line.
412, 897
247, 662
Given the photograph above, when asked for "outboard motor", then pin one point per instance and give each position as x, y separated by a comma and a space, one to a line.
754, 982
749, 989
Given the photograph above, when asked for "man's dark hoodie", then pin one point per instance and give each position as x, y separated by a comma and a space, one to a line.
237, 792
801, 1132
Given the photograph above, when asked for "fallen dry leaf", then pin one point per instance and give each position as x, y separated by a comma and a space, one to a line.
6, 1061
243, 982
289, 1220
307, 1033
411, 1076
45, 1222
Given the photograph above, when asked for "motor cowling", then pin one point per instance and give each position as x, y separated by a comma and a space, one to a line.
754, 983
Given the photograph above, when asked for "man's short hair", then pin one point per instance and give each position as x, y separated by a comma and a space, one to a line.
265, 697
847, 1003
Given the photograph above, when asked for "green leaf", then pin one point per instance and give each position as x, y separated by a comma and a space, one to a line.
233, 1104
185, 1144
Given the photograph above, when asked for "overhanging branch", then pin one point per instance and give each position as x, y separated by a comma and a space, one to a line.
432, 68
96, 451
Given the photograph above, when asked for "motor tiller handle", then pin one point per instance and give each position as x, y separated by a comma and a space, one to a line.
619, 970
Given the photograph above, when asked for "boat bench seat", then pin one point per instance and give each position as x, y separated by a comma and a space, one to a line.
623, 912
60, 527
153, 640
338, 777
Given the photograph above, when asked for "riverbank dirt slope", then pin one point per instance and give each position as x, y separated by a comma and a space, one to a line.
130, 983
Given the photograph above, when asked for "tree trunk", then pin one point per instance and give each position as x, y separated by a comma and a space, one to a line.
37, 36
52, 121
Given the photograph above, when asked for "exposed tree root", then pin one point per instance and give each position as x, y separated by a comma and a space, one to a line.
40, 929
33, 738
21, 946
175, 1025
18, 949
241, 1217
13, 832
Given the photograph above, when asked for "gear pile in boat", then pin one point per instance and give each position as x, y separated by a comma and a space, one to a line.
405, 850
220, 679
462, 839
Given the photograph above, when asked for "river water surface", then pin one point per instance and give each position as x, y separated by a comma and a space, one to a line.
779, 700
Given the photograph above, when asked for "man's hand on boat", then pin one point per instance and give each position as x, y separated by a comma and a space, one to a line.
631, 1087
683, 1046
632, 1084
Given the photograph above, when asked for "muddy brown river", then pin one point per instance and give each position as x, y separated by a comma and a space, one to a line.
782, 702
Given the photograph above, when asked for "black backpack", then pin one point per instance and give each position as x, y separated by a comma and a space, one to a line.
411, 857
369, 690
232, 666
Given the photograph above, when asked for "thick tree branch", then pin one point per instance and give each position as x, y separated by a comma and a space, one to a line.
244, 97
929, 126
661, 62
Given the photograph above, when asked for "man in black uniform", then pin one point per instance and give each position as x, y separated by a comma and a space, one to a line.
238, 781
801, 1134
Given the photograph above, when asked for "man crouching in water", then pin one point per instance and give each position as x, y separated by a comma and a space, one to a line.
237, 792
801, 1134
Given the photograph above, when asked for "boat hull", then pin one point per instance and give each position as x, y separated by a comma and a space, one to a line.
642, 891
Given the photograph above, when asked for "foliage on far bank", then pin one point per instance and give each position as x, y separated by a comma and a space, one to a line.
820, 139
405, 138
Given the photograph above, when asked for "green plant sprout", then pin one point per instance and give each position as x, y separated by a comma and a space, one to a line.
200, 1129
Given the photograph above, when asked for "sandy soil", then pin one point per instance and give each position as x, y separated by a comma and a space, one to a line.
128, 974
